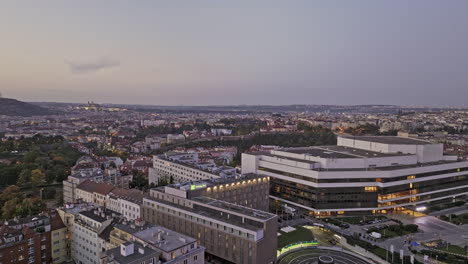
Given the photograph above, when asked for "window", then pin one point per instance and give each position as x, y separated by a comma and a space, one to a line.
370, 189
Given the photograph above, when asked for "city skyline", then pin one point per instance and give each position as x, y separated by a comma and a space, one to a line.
256, 52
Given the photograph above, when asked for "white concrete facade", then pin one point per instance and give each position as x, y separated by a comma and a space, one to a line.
372, 166
163, 168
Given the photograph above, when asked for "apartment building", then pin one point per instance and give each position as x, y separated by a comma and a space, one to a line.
184, 167
172, 247
130, 253
361, 175
93, 192
58, 239
229, 232
69, 185
175, 248
86, 244
126, 202
26, 240
68, 214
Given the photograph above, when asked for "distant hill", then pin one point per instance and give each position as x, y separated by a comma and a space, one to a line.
12, 107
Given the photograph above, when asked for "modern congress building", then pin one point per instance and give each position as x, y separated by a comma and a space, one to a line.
361, 175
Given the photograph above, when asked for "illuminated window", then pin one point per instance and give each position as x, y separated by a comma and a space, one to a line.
370, 189
411, 177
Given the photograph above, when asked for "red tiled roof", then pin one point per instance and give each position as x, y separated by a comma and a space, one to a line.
90, 186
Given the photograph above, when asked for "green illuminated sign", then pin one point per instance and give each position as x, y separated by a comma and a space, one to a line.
197, 186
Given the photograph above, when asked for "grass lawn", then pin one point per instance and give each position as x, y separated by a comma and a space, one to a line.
456, 219
454, 249
355, 220
395, 230
298, 235
444, 206
380, 252
386, 233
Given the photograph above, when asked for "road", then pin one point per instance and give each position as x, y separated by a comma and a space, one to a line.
431, 228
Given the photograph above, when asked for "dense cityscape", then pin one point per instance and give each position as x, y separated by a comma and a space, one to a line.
234, 132
91, 183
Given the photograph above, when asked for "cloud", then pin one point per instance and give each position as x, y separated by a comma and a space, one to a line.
93, 66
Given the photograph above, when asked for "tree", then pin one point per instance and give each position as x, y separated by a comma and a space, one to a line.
37, 177
30, 206
139, 180
9, 193
9, 209
24, 177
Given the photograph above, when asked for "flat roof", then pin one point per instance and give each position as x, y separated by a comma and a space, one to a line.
135, 257
217, 169
163, 238
395, 167
339, 152
262, 215
100, 214
209, 214
200, 184
390, 140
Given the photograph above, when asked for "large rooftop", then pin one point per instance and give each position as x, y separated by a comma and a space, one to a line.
339, 152
215, 214
199, 184
390, 140
247, 211
215, 171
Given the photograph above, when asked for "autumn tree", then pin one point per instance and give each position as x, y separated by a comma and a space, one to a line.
9, 208
37, 177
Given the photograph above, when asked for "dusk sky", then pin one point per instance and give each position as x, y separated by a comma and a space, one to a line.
236, 52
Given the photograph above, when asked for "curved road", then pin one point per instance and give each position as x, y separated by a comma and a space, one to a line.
310, 255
